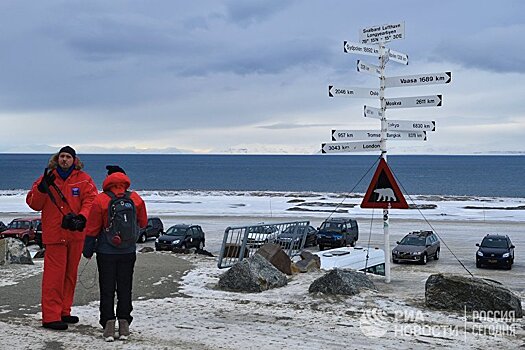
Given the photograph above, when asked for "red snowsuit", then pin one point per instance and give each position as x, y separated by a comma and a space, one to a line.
63, 247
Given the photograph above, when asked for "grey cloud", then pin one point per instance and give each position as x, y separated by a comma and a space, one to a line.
246, 13
286, 126
496, 49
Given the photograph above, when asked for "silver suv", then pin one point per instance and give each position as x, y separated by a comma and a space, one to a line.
417, 246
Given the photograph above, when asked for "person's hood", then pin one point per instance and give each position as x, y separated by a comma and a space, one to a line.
53, 162
118, 182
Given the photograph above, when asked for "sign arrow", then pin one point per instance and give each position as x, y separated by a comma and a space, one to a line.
360, 49
368, 68
410, 125
417, 101
343, 147
372, 112
382, 33
419, 79
398, 57
406, 135
352, 92
349, 135
346, 135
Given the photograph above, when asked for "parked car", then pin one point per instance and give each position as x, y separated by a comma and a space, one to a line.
3, 227
154, 228
181, 236
261, 234
38, 235
417, 246
293, 235
338, 232
495, 250
22, 228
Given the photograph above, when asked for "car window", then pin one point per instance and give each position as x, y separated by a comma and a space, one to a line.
493, 242
413, 240
176, 231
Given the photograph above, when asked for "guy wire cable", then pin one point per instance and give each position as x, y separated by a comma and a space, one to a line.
429, 224
353, 188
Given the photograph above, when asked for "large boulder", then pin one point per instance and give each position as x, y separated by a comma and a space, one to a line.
341, 281
254, 274
455, 292
13, 251
276, 256
309, 262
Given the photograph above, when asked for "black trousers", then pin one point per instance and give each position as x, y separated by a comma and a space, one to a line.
115, 275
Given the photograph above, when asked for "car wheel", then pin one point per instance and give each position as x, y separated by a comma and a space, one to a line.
352, 244
424, 259
143, 238
183, 246
508, 267
321, 247
478, 264
395, 261
25, 240
436, 256
200, 246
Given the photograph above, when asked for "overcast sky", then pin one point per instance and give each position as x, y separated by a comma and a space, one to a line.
235, 76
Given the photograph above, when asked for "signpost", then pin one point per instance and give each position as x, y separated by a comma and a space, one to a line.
418, 79
416, 101
372, 112
418, 125
343, 147
360, 49
348, 135
383, 191
368, 68
352, 92
382, 33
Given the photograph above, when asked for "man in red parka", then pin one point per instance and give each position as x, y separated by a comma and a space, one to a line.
64, 194
115, 261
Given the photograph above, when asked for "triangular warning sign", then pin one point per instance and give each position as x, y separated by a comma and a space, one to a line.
383, 191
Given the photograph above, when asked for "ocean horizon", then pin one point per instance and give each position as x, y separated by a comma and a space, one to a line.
454, 175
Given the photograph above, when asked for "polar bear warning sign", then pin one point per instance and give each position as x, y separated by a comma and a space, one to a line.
383, 191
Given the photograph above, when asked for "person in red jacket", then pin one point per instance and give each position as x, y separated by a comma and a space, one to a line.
64, 194
115, 261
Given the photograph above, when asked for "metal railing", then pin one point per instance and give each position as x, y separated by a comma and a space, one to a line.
241, 242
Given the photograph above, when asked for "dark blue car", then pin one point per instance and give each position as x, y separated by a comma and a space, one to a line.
495, 250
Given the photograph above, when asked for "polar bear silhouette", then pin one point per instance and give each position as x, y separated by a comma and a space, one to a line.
385, 195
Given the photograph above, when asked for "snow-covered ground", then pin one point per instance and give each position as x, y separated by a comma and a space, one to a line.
204, 317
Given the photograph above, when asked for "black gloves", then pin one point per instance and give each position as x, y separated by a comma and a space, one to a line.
47, 180
79, 222
74, 222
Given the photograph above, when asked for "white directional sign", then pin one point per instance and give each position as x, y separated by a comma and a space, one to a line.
368, 68
382, 33
342, 147
406, 135
410, 125
419, 79
398, 57
349, 135
352, 92
417, 101
361, 49
372, 112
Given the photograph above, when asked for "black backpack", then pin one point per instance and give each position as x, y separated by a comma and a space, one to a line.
122, 230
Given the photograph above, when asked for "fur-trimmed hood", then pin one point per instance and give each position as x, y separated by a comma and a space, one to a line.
53, 162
